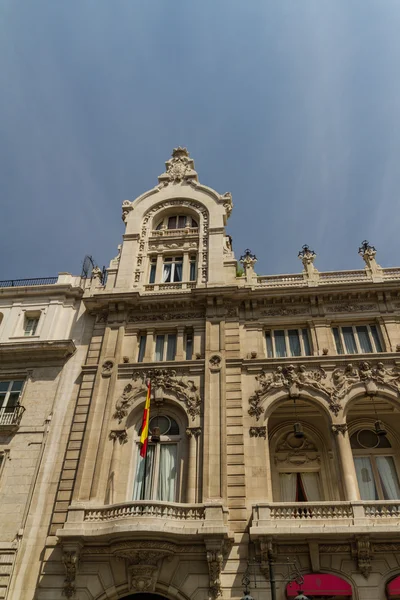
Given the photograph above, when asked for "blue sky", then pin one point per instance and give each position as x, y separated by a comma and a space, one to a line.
291, 105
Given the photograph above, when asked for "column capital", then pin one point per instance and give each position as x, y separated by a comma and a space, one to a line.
193, 432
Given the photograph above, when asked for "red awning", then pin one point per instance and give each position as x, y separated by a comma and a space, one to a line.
393, 588
320, 584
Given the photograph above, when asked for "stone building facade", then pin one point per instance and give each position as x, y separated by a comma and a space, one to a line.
274, 416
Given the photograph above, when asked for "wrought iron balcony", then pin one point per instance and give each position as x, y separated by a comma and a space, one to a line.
10, 419
28, 282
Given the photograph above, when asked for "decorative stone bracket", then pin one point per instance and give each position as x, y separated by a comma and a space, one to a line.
119, 434
215, 557
339, 428
143, 561
267, 551
258, 432
70, 559
361, 552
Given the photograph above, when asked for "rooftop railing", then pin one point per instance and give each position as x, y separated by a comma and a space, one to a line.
28, 282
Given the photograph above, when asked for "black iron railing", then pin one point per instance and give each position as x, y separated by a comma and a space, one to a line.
26, 282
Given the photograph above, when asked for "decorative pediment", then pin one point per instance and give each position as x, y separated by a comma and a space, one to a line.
179, 168
163, 382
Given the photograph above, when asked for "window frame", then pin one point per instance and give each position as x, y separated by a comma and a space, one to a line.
166, 335
177, 440
339, 328
5, 401
300, 331
173, 261
164, 222
371, 454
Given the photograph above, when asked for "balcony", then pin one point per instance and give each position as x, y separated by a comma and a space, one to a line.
10, 420
144, 518
316, 518
175, 232
166, 287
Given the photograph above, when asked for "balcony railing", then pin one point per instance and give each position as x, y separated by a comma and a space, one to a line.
175, 232
27, 282
146, 509
326, 278
10, 419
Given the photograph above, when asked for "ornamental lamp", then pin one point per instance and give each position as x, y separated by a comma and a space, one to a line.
155, 435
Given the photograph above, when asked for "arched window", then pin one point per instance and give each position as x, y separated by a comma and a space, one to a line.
177, 222
298, 464
156, 476
376, 469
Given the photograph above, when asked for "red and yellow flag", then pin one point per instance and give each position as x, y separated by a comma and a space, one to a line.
145, 423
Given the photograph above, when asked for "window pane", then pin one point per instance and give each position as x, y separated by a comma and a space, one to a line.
181, 222
171, 347
178, 272
30, 326
159, 348
388, 477
349, 340
167, 474
375, 335
12, 401
142, 348
189, 346
363, 338
270, 352
365, 478
306, 342
143, 484
152, 277
17, 386
280, 344
294, 342
172, 223
192, 270
4, 386
338, 341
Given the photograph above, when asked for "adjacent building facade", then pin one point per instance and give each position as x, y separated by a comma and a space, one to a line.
275, 420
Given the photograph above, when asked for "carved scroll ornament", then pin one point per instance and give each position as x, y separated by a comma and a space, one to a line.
162, 381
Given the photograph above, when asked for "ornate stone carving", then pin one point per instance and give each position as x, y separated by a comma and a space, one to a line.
280, 311
167, 316
102, 317
215, 559
126, 209
368, 253
228, 204
370, 376
179, 168
268, 551
248, 261
339, 428
258, 432
345, 308
162, 381
334, 548
107, 368
70, 559
295, 451
143, 561
293, 379
119, 434
215, 362
307, 257
361, 552
193, 431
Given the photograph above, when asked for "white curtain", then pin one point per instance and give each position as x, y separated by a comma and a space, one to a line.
388, 475
166, 276
363, 339
138, 492
287, 482
365, 478
171, 347
294, 342
159, 348
349, 340
311, 486
280, 343
167, 475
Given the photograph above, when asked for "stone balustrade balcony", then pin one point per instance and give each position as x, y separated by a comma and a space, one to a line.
11, 418
147, 518
327, 518
175, 232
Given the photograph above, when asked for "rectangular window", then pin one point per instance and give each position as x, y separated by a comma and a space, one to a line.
287, 342
172, 271
153, 268
10, 392
192, 264
30, 325
142, 347
165, 347
357, 339
159, 481
189, 346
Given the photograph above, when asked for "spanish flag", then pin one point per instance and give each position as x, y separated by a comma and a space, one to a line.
145, 423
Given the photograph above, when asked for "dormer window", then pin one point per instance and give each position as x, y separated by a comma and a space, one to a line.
177, 222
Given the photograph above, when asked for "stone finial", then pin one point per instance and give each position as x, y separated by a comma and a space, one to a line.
248, 261
179, 168
367, 253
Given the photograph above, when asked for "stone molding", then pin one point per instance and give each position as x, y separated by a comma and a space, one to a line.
258, 432
361, 552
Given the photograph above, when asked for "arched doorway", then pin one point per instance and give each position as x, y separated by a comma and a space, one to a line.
321, 586
393, 589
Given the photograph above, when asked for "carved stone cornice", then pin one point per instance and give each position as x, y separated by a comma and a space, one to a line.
361, 552
36, 351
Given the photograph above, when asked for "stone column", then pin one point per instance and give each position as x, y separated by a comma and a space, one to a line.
185, 266
347, 462
179, 343
150, 344
197, 333
191, 495
159, 268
